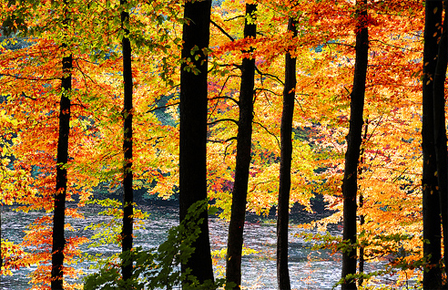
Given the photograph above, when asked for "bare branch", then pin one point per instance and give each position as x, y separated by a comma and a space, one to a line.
220, 92
223, 120
226, 97
225, 64
28, 97
162, 107
269, 132
270, 76
222, 30
221, 140
236, 17
227, 147
268, 90
298, 102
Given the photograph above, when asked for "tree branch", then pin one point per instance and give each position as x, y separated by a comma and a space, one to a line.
217, 64
227, 147
220, 92
269, 132
236, 17
28, 97
223, 120
221, 141
270, 75
162, 107
226, 97
222, 30
268, 90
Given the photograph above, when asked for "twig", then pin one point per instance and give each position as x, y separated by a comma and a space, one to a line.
269, 132
222, 30
223, 120
163, 107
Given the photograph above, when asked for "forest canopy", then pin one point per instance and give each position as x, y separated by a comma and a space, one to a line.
154, 96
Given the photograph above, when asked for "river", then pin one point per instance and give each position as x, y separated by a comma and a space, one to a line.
308, 270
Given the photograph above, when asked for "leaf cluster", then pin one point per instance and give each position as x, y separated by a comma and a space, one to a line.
158, 267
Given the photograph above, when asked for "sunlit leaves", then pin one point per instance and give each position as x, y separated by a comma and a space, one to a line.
30, 76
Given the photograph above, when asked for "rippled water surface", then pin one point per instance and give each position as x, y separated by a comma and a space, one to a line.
308, 270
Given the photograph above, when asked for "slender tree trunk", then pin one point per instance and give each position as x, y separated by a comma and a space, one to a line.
128, 194
361, 261
285, 167
57, 253
244, 143
1, 246
350, 181
431, 202
361, 204
193, 130
440, 127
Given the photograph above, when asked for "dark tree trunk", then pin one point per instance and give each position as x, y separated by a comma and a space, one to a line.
193, 130
1, 245
361, 261
285, 167
244, 136
431, 203
440, 127
128, 194
57, 254
350, 181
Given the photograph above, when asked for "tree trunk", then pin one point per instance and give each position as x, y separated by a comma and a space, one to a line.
128, 194
285, 167
350, 181
440, 127
1, 246
244, 136
361, 261
193, 130
57, 254
431, 203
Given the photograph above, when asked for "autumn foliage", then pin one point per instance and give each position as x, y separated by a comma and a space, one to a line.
391, 156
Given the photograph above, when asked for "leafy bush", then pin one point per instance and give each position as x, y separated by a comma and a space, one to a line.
157, 268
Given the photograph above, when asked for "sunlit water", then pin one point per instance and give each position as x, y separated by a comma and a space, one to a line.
308, 269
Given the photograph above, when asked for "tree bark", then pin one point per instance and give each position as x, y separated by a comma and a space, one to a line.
350, 181
57, 254
58, 244
440, 127
244, 143
283, 280
1, 246
361, 260
193, 130
431, 202
128, 194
